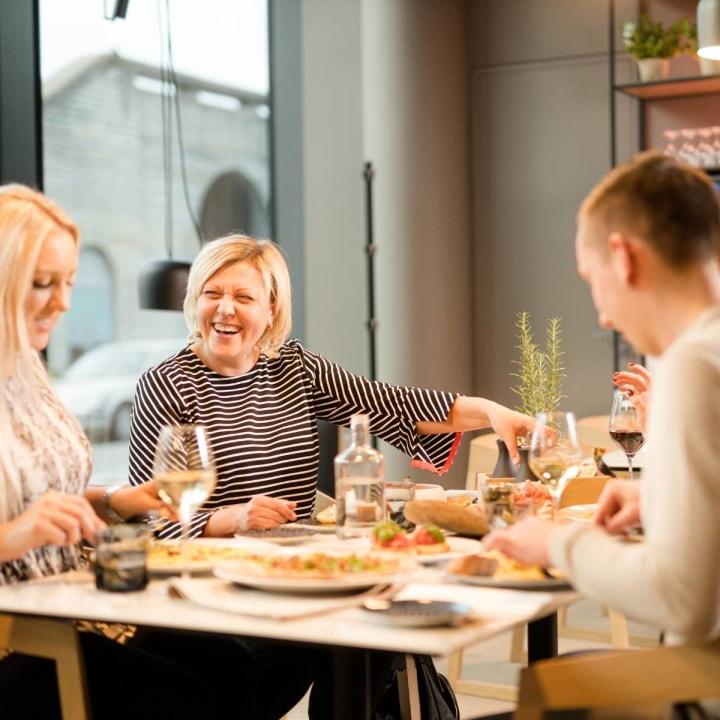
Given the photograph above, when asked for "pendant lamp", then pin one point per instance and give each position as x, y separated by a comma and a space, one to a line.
708, 29
162, 284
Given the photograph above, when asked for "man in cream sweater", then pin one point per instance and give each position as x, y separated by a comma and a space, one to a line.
647, 244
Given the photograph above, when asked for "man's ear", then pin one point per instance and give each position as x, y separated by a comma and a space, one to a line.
622, 257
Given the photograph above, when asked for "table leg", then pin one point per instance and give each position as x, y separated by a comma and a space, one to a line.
351, 684
543, 638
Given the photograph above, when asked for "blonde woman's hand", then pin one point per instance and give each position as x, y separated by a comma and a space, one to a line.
134, 500
57, 519
636, 381
510, 425
265, 512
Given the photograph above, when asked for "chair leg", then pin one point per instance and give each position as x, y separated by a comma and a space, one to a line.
58, 641
517, 648
619, 632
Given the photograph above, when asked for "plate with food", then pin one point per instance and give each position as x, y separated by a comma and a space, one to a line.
579, 513
494, 569
168, 557
319, 572
428, 543
324, 522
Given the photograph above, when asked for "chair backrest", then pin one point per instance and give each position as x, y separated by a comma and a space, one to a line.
483, 456
582, 491
620, 679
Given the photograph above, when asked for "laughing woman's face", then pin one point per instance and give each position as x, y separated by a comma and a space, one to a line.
233, 311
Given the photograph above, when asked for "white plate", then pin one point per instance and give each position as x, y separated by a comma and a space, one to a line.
578, 513
459, 546
309, 585
206, 562
483, 581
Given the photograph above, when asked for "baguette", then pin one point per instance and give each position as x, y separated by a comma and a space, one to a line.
466, 521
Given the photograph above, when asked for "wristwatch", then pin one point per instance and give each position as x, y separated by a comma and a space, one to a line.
113, 516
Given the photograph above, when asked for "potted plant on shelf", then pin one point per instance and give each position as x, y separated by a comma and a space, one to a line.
652, 45
540, 376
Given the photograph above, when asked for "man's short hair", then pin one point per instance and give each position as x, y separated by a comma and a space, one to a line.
668, 204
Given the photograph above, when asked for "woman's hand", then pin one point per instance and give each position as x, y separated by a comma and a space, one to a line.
474, 413
260, 513
619, 506
265, 512
527, 541
510, 425
636, 381
134, 500
55, 519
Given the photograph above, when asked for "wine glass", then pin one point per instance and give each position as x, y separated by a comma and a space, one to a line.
625, 428
184, 473
555, 453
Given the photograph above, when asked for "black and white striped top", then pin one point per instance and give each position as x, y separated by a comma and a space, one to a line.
262, 425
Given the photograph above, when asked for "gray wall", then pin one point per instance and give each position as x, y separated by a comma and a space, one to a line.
416, 133
540, 141
386, 82
487, 122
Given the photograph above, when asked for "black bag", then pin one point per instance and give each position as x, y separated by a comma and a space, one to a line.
437, 699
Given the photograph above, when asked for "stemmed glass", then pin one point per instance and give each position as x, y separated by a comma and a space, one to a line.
555, 452
184, 473
625, 428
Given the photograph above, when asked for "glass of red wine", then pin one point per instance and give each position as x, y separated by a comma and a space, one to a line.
625, 428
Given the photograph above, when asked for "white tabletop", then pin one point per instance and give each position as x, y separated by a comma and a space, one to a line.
74, 596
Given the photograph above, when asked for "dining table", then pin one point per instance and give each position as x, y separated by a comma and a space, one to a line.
212, 605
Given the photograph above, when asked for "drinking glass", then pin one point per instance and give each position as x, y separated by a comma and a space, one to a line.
184, 473
555, 453
120, 557
625, 428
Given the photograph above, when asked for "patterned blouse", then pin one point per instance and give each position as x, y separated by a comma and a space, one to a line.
50, 452
263, 424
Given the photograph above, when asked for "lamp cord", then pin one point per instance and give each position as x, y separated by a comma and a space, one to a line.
166, 122
168, 103
178, 121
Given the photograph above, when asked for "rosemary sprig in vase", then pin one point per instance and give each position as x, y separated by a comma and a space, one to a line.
540, 377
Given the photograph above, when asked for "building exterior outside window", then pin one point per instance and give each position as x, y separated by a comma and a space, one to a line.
104, 162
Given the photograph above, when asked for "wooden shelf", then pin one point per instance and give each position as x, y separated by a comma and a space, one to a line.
672, 87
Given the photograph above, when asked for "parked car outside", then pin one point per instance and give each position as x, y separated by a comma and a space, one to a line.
98, 388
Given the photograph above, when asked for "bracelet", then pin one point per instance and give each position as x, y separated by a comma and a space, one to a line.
113, 516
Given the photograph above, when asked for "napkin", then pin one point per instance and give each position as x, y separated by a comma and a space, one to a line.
219, 594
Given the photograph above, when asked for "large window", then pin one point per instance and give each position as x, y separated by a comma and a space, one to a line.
107, 157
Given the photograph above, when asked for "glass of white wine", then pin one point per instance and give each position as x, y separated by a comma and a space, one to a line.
555, 452
184, 473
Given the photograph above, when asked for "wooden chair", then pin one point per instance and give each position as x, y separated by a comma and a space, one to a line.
593, 431
482, 459
635, 683
54, 640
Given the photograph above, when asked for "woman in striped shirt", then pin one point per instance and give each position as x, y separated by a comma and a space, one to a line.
260, 396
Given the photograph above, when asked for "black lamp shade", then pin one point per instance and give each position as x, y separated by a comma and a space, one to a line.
162, 284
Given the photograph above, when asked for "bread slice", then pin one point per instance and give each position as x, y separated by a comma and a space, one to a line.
464, 520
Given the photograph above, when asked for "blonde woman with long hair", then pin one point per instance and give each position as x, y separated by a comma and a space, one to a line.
45, 464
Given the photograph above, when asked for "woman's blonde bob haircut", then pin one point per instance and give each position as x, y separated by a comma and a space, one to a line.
267, 258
